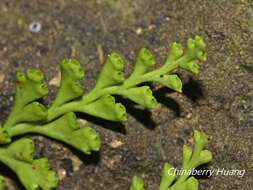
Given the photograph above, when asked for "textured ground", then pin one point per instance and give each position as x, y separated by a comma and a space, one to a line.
218, 101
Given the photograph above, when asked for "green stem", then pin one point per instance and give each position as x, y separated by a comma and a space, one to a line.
78, 105
11, 121
7, 160
177, 186
181, 179
97, 93
24, 129
190, 166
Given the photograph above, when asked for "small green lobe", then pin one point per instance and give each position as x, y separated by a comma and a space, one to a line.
4, 136
35, 75
137, 183
146, 57
117, 61
2, 183
72, 68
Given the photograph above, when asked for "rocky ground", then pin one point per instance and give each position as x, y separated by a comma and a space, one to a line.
219, 101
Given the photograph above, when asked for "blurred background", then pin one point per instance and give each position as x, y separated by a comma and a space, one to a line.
40, 33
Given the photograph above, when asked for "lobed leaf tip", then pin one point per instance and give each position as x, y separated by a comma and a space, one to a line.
4, 136
140, 95
191, 44
170, 81
202, 56
137, 183
39, 109
45, 178
93, 138
146, 57
41, 163
192, 67
27, 154
149, 99
175, 83
71, 120
200, 42
192, 183
167, 166
166, 170
35, 75
200, 137
73, 67
116, 61
23, 149
205, 157
121, 112
177, 50
20, 77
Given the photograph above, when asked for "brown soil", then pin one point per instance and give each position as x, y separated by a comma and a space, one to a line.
218, 101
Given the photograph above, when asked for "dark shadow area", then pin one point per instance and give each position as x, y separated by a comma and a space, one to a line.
111, 125
248, 67
88, 159
5, 171
92, 159
140, 114
67, 164
169, 102
205, 172
193, 90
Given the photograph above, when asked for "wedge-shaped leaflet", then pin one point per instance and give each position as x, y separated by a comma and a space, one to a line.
30, 87
144, 61
112, 72
196, 52
65, 129
70, 87
106, 108
196, 48
192, 67
176, 51
171, 81
168, 176
34, 174
32, 112
137, 183
140, 95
